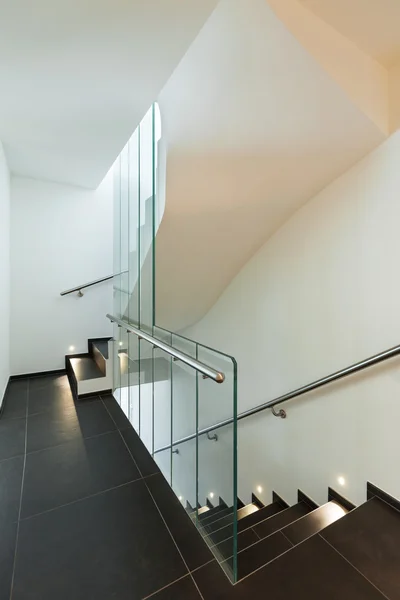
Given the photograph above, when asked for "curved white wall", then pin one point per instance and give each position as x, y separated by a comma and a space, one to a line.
321, 294
254, 127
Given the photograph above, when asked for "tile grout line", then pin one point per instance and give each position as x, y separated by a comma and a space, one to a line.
286, 537
22, 490
73, 441
43, 512
159, 512
353, 566
166, 587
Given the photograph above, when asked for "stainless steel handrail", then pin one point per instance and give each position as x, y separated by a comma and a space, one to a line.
86, 285
185, 358
364, 364
78, 288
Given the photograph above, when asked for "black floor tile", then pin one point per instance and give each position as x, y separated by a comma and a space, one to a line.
369, 537
10, 489
260, 554
59, 380
116, 412
16, 399
8, 538
189, 541
72, 471
50, 393
143, 459
94, 419
311, 571
282, 519
184, 589
113, 545
245, 539
314, 522
214, 584
12, 437
54, 427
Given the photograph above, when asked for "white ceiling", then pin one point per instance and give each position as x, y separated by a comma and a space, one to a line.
255, 127
77, 76
374, 25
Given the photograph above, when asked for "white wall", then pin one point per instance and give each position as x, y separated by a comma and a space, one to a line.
61, 236
321, 294
4, 273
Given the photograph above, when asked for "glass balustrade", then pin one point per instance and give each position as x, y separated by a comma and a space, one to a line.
168, 401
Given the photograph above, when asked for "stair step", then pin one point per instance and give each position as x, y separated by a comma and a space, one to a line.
228, 519
203, 510
369, 538
259, 554
223, 533
281, 520
314, 522
85, 368
263, 529
215, 515
102, 347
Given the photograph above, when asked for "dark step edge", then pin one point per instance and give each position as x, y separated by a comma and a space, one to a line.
73, 383
209, 504
92, 342
336, 497
189, 507
263, 521
240, 504
256, 501
301, 497
208, 520
91, 394
239, 516
222, 502
278, 500
243, 519
374, 492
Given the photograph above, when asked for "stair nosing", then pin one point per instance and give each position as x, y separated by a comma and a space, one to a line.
263, 521
247, 528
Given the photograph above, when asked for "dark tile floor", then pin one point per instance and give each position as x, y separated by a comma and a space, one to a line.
85, 514
84, 511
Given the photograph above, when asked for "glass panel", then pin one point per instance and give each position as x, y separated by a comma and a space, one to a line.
217, 451
146, 204
134, 231
162, 398
184, 413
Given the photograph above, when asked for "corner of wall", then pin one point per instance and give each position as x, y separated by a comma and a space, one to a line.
4, 273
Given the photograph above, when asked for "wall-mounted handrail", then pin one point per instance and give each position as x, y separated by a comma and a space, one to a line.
364, 364
78, 288
86, 285
185, 358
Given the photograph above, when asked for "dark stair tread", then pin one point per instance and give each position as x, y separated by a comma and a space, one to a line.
313, 571
224, 550
369, 538
259, 554
215, 515
102, 347
314, 522
203, 510
221, 534
228, 519
85, 368
282, 519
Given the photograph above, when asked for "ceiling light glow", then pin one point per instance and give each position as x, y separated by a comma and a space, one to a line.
71, 348
341, 480
211, 494
259, 489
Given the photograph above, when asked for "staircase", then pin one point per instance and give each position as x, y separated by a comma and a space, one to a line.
90, 373
306, 551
